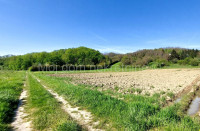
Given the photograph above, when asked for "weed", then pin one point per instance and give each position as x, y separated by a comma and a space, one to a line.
116, 88
138, 90
152, 87
171, 95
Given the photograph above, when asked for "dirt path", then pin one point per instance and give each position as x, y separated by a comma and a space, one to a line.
83, 117
20, 122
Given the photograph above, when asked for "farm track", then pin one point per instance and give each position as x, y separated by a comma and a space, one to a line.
83, 117
20, 122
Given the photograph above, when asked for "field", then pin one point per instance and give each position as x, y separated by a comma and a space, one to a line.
134, 100
147, 81
116, 110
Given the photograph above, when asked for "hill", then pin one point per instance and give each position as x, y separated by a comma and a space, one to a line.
162, 57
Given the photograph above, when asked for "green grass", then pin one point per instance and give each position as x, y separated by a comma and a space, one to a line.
117, 68
45, 110
186, 100
11, 84
135, 112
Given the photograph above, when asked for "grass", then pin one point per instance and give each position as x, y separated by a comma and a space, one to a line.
11, 84
187, 100
45, 110
135, 112
171, 95
117, 68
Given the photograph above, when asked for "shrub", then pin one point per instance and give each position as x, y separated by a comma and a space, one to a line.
186, 61
194, 62
175, 60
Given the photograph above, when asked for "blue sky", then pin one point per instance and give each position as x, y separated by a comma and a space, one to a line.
106, 25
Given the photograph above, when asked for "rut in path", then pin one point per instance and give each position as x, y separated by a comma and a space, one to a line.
20, 122
83, 117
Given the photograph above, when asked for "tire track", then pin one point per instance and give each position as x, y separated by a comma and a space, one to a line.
20, 122
83, 117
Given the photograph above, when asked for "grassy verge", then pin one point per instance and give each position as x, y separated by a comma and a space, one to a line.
187, 100
139, 113
11, 84
117, 68
46, 112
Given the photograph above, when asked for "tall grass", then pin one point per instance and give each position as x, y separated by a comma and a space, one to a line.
45, 110
138, 114
11, 84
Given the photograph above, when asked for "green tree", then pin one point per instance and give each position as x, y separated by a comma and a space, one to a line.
126, 60
173, 55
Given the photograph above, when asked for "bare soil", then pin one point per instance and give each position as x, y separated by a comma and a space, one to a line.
149, 81
21, 122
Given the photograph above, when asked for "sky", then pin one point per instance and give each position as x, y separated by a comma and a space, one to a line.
106, 25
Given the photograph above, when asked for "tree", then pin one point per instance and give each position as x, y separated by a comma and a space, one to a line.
82, 56
173, 55
126, 60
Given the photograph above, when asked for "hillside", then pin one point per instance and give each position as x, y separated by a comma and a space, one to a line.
162, 57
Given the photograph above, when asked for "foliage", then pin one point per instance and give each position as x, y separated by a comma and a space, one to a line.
115, 57
194, 62
86, 56
173, 55
126, 60
74, 56
162, 57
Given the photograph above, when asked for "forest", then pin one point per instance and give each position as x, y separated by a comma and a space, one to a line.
86, 56
71, 56
162, 57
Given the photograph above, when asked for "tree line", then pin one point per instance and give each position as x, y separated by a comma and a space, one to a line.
162, 57
81, 57
71, 56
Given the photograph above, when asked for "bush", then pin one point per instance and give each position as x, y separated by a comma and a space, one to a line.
175, 60
163, 62
186, 61
194, 62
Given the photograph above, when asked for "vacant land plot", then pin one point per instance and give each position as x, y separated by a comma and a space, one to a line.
148, 81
